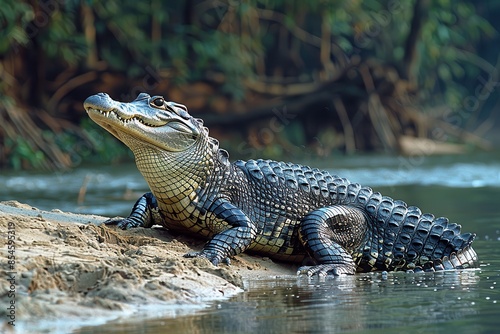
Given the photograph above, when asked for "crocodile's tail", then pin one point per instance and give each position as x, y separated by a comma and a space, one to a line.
446, 254
463, 259
410, 239
447, 248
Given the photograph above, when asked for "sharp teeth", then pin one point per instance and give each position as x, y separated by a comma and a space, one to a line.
123, 120
102, 112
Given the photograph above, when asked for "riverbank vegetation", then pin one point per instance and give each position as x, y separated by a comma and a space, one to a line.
270, 78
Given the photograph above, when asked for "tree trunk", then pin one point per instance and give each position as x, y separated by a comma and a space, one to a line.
410, 59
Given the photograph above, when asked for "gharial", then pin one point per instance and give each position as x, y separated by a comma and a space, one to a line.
284, 211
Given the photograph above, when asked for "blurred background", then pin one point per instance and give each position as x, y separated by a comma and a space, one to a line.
273, 79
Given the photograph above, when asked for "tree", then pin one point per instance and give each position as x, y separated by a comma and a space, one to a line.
360, 74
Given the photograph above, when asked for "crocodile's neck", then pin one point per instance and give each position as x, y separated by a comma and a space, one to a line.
173, 176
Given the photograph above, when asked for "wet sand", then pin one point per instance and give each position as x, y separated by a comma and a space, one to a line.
70, 271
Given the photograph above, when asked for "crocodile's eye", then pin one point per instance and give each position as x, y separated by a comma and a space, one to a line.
158, 102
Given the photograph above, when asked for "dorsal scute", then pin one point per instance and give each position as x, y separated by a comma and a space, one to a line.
254, 169
223, 156
293, 176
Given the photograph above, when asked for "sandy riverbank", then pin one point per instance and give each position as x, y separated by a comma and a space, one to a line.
70, 271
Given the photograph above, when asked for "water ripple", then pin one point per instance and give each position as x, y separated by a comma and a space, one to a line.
463, 175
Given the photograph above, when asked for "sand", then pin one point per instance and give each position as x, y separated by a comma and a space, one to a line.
71, 270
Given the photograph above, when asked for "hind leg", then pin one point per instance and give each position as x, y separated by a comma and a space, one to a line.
327, 235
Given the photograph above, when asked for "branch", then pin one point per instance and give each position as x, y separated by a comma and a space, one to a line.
350, 143
376, 111
69, 86
299, 33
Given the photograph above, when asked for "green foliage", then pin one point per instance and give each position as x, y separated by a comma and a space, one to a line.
447, 46
100, 146
22, 154
14, 17
61, 39
231, 37
52, 24
97, 146
228, 43
190, 51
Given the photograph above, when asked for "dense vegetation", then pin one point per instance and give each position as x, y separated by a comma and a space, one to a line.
283, 75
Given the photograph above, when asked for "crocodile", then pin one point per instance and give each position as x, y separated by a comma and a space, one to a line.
285, 211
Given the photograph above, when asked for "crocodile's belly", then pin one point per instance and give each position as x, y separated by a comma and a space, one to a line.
187, 218
279, 240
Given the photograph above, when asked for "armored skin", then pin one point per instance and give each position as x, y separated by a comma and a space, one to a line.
281, 210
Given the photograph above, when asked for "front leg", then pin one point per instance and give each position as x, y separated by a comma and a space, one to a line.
145, 213
236, 239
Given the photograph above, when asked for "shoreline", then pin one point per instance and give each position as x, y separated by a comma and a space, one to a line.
70, 271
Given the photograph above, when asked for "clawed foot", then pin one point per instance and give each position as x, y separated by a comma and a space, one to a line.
212, 257
323, 270
123, 223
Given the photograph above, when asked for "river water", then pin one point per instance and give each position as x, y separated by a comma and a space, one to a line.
466, 189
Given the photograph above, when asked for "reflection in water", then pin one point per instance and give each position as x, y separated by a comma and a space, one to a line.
350, 303
396, 302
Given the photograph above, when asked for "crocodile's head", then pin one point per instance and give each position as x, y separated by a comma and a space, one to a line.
147, 120
172, 149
